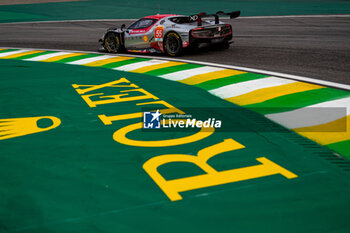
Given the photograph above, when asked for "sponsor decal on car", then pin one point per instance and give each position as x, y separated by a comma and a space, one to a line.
159, 33
137, 31
145, 38
138, 51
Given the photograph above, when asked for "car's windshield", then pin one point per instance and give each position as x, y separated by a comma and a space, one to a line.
142, 23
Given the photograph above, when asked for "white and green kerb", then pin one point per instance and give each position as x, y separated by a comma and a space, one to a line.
279, 99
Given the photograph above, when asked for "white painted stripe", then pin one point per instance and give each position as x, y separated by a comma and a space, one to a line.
14, 52
46, 56
91, 59
138, 65
180, 75
241, 17
339, 103
247, 69
312, 115
72, 21
295, 16
237, 89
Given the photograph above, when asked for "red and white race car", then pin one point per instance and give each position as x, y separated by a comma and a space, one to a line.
169, 34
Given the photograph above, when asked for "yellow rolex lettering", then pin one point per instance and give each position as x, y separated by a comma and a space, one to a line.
107, 120
146, 95
120, 136
89, 102
172, 188
96, 87
82, 85
110, 99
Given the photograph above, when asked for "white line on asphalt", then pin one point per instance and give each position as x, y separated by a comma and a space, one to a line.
242, 17
72, 21
259, 71
295, 16
271, 73
241, 88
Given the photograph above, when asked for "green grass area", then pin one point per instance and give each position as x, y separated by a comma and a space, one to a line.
12, 16
77, 178
110, 9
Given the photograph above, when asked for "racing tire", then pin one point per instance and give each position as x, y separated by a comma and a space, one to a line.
172, 44
112, 43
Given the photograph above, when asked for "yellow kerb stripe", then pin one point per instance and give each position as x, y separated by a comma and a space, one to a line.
107, 61
210, 76
53, 59
2, 49
159, 66
264, 94
22, 54
324, 138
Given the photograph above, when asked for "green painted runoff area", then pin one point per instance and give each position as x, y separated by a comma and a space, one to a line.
111, 9
77, 178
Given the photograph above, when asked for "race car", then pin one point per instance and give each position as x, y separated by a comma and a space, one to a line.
170, 34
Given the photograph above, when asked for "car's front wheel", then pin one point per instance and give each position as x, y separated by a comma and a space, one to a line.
173, 44
112, 43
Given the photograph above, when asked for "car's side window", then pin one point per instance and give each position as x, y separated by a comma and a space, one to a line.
142, 23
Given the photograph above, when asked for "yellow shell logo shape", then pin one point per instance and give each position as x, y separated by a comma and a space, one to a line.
16, 127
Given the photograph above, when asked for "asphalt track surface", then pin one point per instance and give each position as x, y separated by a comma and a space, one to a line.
315, 47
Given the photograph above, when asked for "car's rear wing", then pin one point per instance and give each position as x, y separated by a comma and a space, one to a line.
198, 17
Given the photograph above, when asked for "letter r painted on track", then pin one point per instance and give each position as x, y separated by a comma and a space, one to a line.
172, 188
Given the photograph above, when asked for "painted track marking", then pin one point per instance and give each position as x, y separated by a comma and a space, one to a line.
237, 83
242, 88
47, 56
180, 75
139, 65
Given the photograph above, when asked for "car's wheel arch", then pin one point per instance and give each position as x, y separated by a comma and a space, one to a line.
172, 31
179, 37
119, 35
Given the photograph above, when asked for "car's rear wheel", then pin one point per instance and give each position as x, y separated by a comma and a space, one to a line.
112, 43
173, 44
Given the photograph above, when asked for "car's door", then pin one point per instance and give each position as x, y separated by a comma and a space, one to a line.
139, 34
